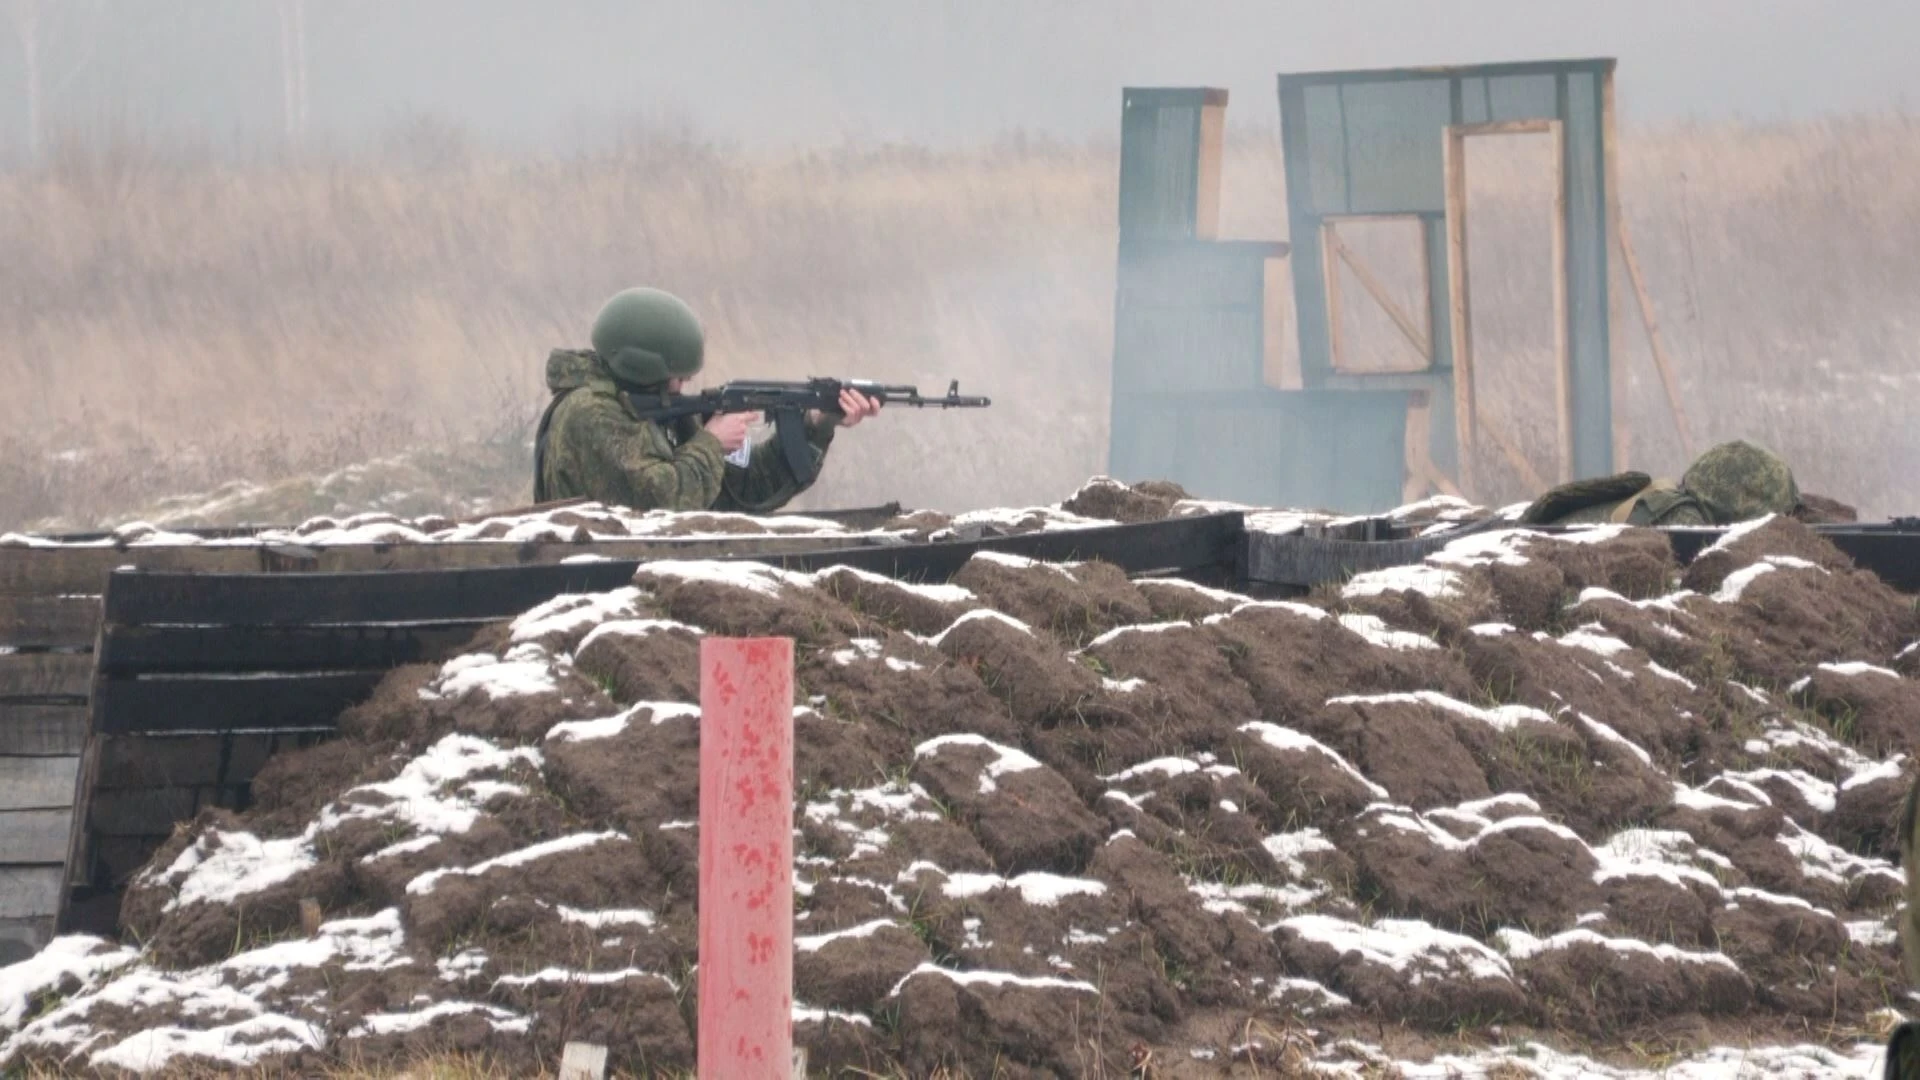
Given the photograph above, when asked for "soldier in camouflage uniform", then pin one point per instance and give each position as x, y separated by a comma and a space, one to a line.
1735, 481
591, 444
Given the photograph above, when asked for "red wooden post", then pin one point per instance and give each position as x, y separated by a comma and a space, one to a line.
746, 858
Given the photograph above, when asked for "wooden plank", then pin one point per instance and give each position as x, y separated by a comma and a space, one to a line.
21, 938
158, 761
78, 570
45, 676
1302, 562
121, 857
1610, 210
1206, 180
35, 836
37, 783
1336, 314
1506, 127
348, 598
348, 558
203, 703
29, 891
155, 649
1661, 359
1179, 544
35, 730
49, 621
56, 571
410, 596
1562, 326
149, 812
1382, 295
1511, 451
1455, 163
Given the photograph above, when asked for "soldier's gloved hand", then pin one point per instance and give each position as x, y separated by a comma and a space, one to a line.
731, 429
854, 407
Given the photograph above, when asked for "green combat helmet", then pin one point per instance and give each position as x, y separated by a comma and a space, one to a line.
647, 336
1738, 481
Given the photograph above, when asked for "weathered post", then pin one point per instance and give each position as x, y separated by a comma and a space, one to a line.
746, 858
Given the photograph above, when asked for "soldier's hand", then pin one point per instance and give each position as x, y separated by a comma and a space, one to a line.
854, 407
731, 429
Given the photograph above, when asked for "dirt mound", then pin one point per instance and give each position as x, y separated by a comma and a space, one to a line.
1049, 820
1104, 497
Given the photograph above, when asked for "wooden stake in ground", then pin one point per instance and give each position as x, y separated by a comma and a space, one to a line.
746, 858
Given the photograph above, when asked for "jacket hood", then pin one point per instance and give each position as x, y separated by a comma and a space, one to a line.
570, 369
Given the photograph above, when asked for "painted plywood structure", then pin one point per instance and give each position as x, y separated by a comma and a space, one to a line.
1201, 340
1229, 372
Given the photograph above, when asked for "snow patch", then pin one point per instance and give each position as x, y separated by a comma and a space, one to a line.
1408, 946
1376, 632
1434, 581
1288, 739
1006, 759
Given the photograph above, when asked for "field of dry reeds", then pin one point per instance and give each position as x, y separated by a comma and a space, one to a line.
173, 325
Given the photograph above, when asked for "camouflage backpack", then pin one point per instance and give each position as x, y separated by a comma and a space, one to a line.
1630, 498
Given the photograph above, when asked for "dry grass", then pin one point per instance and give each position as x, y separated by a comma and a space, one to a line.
171, 325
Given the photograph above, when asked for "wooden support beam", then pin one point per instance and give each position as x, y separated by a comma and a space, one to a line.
1562, 325
1376, 288
1458, 291
1511, 451
1610, 206
1661, 359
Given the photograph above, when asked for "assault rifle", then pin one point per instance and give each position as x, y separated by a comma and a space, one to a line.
786, 403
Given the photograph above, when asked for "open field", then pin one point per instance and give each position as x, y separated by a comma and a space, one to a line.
171, 325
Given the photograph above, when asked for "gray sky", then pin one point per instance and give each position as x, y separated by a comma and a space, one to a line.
780, 71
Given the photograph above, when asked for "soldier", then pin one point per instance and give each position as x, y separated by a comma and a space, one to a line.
590, 443
1734, 481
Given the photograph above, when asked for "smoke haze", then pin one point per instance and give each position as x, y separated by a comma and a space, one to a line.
936, 71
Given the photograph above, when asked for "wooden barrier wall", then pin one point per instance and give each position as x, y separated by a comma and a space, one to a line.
50, 617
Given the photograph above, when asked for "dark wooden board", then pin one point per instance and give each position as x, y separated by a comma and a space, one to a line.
158, 761
49, 621
78, 570
55, 571
35, 836
118, 858
1305, 561
156, 649
58, 730
45, 677
396, 596
161, 760
1178, 544
29, 891
209, 703
141, 811
37, 783
1892, 553
491, 593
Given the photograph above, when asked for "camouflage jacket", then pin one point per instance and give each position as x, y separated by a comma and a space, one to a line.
592, 445
1629, 498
